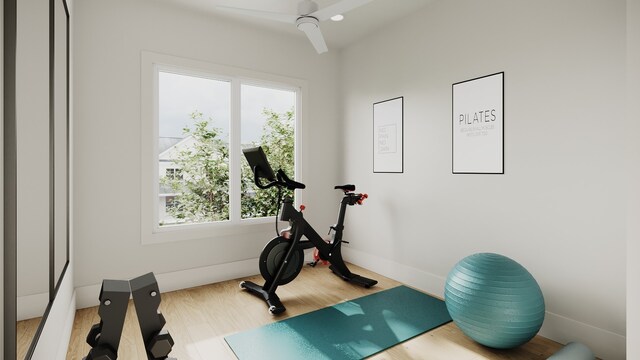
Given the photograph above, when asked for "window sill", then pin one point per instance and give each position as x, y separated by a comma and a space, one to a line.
174, 233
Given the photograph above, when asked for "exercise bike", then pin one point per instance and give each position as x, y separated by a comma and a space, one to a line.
282, 258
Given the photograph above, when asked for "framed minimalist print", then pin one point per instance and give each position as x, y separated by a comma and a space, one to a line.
388, 117
478, 125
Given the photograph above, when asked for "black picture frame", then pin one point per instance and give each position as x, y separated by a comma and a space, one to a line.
388, 114
493, 136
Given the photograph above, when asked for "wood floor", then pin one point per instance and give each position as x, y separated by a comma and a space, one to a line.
25, 331
199, 319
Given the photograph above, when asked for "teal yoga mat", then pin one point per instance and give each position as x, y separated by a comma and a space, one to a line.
350, 330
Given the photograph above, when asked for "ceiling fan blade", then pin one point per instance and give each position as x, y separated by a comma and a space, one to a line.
338, 8
315, 36
286, 18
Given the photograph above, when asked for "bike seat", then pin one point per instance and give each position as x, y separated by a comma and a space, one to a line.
347, 187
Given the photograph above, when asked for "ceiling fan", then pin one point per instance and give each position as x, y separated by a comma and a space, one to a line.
307, 19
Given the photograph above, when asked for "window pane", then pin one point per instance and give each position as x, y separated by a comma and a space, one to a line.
193, 149
267, 119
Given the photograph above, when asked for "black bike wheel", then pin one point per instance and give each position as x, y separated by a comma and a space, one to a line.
271, 258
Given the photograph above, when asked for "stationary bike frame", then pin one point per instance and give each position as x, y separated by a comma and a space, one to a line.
327, 251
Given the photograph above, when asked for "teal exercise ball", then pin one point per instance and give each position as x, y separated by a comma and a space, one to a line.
494, 300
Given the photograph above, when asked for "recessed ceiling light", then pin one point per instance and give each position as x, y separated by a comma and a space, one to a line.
338, 17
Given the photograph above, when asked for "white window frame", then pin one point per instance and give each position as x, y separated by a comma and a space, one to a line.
151, 65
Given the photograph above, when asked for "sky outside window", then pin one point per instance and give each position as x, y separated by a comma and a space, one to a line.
254, 100
180, 95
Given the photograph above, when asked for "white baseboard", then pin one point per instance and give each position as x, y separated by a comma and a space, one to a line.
603, 343
66, 331
87, 296
420, 279
56, 332
31, 306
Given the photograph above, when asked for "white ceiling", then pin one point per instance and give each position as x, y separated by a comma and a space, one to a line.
356, 24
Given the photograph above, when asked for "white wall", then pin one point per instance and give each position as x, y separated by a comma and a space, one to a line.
633, 238
110, 36
560, 207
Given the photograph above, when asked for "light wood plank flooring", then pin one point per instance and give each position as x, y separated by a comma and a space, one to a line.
200, 318
25, 331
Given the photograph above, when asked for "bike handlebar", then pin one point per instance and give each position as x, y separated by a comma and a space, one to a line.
281, 180
288, 183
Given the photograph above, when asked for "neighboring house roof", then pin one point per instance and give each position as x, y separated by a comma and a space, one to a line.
169, 153
168, 147
164, 143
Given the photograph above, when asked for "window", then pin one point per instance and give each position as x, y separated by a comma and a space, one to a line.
202, 116
173, 174
194, 114
267, 118
171, 202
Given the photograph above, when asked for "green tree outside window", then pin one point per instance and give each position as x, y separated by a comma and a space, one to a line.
202, 190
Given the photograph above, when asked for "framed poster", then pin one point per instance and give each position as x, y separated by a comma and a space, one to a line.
388, 118
478, 125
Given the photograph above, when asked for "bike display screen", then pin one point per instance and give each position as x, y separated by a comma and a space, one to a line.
259, 163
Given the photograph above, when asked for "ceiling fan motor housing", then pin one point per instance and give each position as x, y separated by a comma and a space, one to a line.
306, 23
307, 7
307, 19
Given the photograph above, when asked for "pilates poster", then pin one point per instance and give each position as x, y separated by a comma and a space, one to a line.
478, 125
